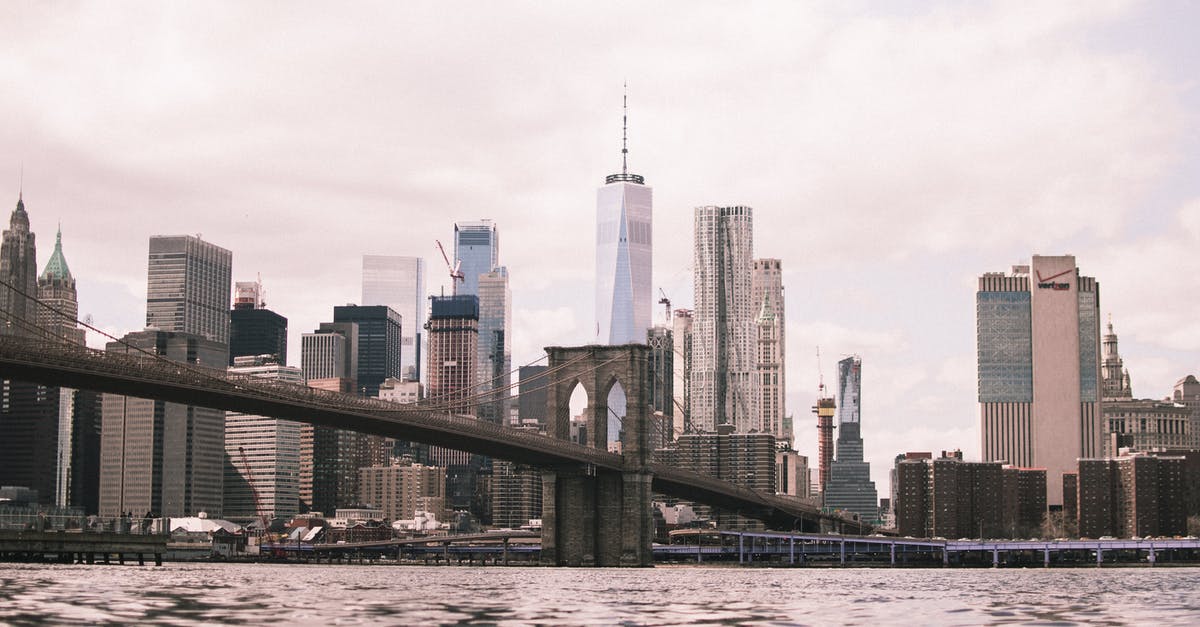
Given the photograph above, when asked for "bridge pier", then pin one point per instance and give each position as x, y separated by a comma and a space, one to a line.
596, 518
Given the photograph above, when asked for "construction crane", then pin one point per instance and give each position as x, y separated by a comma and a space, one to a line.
824, 409
666, 302
456, 275
258, 510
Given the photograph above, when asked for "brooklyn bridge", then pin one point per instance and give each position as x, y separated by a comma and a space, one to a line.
596, 504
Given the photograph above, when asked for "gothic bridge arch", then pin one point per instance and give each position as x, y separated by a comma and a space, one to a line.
590, 516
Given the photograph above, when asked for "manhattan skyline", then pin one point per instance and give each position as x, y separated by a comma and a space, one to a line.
890, 159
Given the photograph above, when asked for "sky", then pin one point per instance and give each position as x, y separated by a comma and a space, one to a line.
892, 153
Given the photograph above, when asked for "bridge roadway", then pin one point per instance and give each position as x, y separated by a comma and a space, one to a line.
65, 365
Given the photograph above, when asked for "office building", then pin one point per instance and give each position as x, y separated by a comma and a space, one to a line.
402, 392
399, 282
401, 490
255, 330
792, 475
453, 329
681, 338
1187, 393
849, 487
723, 328
1039, 367
766, 292
453, 348
330, 457
56, 290
379, 344
624, 255
533, 395
162, 457
29, 424
188, 287
1143, 424
661, 368
78, 411
477, 250
263, 453
494, 357
18, 268
516, 495
1134, 495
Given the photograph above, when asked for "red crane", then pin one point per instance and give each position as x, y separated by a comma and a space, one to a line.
258, 510
456, 275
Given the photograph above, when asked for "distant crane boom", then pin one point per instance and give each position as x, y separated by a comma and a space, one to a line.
456, 275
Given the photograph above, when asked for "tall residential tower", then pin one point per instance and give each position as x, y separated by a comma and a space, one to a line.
723, 327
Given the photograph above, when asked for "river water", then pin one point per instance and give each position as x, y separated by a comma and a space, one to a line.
185, 594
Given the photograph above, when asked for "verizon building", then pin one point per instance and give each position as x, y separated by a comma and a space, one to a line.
1038, 339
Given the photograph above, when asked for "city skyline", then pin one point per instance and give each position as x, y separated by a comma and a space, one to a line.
873, 208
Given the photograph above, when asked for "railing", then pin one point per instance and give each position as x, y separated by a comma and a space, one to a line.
78, 523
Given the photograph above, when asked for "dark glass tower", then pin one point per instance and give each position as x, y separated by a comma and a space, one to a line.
850, 487
379, 343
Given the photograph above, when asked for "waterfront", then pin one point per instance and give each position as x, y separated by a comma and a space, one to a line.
178, 594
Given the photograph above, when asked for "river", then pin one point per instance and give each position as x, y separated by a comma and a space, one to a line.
189, 593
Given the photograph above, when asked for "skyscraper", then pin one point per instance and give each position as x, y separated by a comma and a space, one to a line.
157, 456
681, 338
849, 486
1039, 367
18, 269
188, 286
453, 374
1112, 371
78, 414
329, 457
399, 283
56, 290
262, 453
723, 328
453, 348
255, 330
624, 238
477, 247
379, 343
766, 292
29, 412
495, 345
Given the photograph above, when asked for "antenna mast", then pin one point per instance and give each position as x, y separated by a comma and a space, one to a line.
625, 128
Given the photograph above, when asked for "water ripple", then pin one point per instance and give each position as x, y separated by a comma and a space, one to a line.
189, 594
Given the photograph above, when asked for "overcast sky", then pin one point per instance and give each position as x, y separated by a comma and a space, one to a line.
891, 155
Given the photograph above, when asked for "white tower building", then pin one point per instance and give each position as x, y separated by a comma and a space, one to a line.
624, 219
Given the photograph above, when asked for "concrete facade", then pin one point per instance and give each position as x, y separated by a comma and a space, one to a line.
1039, 367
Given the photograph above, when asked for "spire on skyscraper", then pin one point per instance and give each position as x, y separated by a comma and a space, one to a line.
625, 128
57, 268
624, 176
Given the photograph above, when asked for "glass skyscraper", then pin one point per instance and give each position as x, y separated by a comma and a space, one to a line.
624, 237
850, 487
378, 344
399, 283
1039, 367
188, 287
495, 345
477, 247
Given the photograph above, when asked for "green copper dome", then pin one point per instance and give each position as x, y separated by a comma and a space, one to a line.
57, 268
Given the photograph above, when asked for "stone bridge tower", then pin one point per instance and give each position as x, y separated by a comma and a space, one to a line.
593, 516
